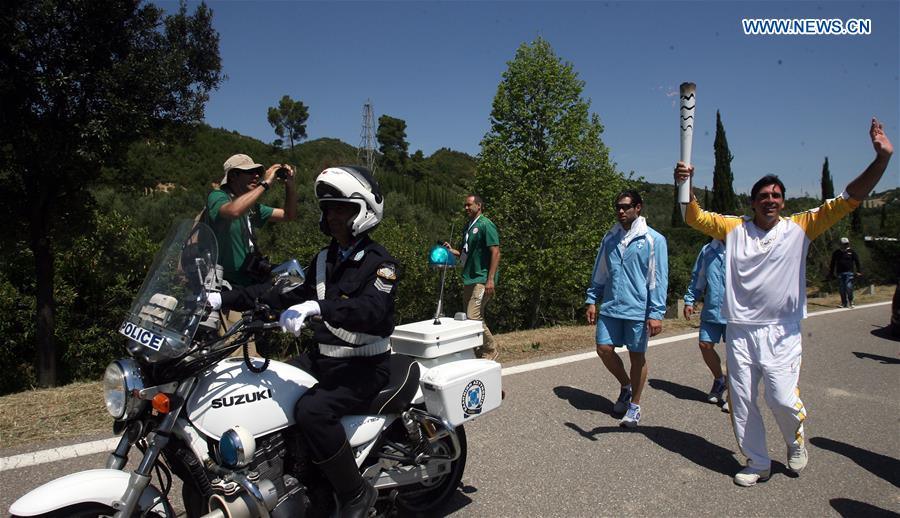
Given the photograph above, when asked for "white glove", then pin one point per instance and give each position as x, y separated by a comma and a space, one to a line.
214, 299
292, 320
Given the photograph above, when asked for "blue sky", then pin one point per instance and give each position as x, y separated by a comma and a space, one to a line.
787, 102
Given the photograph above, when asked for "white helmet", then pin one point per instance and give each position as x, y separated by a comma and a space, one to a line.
351, 184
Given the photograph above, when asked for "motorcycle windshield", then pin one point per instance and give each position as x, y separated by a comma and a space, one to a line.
171, 303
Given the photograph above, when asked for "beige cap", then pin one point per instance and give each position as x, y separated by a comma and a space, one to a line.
239, 161
845, 241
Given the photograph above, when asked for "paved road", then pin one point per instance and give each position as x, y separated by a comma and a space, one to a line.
554, 449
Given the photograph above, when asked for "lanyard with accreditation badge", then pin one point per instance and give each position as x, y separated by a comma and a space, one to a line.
465, 250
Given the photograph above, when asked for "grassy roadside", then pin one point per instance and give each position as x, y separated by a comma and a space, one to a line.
75, 410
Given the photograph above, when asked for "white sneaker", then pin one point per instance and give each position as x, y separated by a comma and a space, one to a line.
797, 457
725, 408
750, 476
632, 417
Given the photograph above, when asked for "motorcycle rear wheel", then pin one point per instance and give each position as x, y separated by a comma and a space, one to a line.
423, 499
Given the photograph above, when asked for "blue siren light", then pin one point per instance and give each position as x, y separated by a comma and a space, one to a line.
440, 256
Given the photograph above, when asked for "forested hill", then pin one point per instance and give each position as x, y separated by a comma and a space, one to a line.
107, 246
173, 180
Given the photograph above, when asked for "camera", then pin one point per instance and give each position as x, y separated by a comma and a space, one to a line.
257, 267
282, 173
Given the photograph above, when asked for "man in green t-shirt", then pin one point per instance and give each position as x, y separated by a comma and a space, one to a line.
480, 256
235, 214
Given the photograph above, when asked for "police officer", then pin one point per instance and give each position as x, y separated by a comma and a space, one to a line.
351, 284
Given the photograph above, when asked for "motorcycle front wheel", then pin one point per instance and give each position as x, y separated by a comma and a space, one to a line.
88, 510
423, 499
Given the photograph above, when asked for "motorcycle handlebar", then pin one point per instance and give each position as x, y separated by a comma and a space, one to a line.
260, 325
261, 319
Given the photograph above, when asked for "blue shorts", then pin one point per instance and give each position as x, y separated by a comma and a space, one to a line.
620, 332
712, 332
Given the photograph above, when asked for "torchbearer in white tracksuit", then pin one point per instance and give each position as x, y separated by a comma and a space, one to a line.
765, 300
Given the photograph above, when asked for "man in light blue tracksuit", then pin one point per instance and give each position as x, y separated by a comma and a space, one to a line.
708, 280
631, 275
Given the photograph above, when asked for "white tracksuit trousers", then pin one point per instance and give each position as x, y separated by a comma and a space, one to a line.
771, 353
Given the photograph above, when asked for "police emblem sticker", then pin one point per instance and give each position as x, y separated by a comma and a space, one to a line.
473, 398
385, 277
387, 271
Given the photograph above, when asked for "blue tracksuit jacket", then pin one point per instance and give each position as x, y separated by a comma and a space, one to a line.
709, 276
631, 273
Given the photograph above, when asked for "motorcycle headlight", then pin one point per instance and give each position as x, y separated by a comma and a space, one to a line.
119, 380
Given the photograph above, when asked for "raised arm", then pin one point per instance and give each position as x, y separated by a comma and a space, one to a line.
289, 211
239, 206
714, 225
863, 184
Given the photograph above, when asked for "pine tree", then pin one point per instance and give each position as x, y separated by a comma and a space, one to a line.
392, 144
724, 200
827, 184
289, 119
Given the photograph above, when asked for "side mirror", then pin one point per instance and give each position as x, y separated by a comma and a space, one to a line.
289, 269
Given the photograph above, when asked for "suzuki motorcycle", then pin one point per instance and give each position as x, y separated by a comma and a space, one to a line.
225, 425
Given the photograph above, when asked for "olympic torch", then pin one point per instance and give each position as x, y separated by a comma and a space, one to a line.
688, 102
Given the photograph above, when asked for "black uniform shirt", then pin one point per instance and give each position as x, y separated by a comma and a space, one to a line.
359, 293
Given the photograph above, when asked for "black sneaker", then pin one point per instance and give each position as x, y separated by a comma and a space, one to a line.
624, 400
717, 392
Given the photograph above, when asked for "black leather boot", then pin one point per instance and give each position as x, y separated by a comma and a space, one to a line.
359, 506
355, 495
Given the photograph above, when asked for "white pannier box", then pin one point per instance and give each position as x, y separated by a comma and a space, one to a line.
426, 340
462, 390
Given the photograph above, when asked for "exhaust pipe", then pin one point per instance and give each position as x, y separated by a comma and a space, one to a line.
240, 505
255, 502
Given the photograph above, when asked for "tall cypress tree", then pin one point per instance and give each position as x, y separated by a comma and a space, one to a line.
827, 184
856, 221
724, 200
677, 220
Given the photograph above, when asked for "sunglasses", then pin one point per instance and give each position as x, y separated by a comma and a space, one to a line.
251, 172
623, 206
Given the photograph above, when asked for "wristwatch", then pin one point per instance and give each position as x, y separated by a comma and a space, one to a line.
264, 184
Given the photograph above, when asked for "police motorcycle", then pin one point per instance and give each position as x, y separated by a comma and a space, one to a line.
225, 425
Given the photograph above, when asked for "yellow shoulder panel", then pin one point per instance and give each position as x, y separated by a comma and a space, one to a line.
818, 220
710, 223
